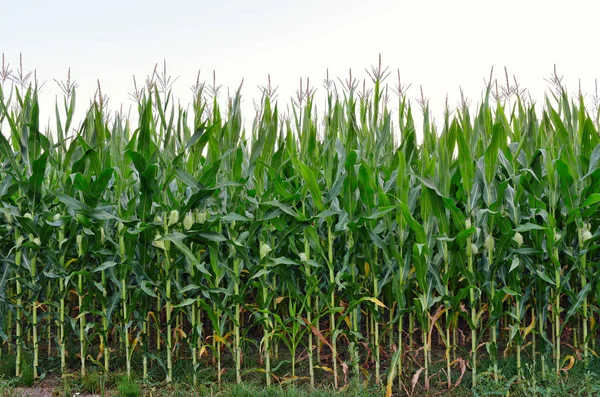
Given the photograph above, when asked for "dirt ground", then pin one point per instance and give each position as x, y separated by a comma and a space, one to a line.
49, 387
42, 391
34, 392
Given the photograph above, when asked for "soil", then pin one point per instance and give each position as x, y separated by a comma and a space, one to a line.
43, 391
49, 387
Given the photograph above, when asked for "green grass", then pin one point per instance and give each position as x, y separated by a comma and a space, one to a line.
7, 366
127, 387
579, 381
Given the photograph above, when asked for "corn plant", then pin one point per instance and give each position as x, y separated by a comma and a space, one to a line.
336, 242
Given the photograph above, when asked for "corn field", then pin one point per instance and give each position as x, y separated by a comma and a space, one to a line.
335, 245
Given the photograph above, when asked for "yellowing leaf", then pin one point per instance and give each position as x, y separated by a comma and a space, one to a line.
181, 333
390, 382
151, 314
135, 342
529, 327
324, 368
96, 362
100, 349
70, 261
481, 312
220, 339
571, 362
375, 301
293, 378
202, 351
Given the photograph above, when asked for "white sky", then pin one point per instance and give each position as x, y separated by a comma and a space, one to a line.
438, 44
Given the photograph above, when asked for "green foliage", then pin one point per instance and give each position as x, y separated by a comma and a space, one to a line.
94, 383
27, 378
128, 388
7, 366
334, 247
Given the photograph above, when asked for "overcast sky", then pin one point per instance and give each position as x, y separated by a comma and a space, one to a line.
438, 44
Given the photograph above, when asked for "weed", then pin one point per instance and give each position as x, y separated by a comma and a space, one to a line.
128, 388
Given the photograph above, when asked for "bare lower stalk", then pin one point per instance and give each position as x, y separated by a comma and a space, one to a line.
541, 331
49, 326
454, 340
518, 343
584, 320
318, 327
489, 245
125, 316
34, 324
557, 314
168, 303
332, 315
105, 326
81, 325
473, 316
158, 311
124, 304
426, 354
63, 355
448, 353
411, 328
311, 369
494, 338
448, 345
376, 335
267, 346
168, 314
9, 325
400, 342
19, 333
217, 344
236, 326
145, 346
309, 309
80, 301
194, 347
